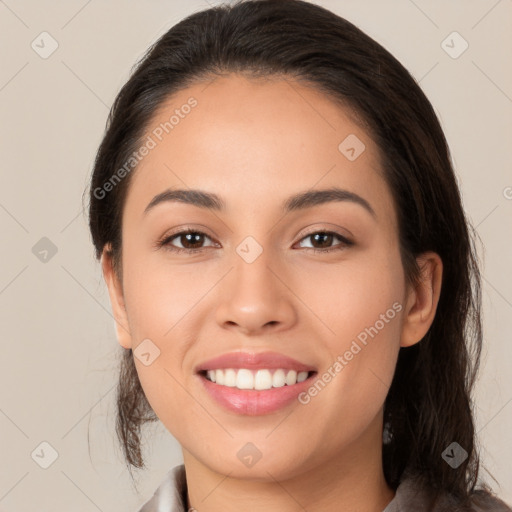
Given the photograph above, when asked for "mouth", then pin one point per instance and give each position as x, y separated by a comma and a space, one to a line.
254, 384
258, 380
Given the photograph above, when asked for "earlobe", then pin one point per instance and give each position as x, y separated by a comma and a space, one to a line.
422, 300
116, 299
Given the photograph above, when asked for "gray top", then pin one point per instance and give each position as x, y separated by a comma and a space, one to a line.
171, 496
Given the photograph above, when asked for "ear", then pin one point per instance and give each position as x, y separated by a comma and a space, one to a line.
422, 300
115, 291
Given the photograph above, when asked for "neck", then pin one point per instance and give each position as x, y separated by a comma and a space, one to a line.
354, 478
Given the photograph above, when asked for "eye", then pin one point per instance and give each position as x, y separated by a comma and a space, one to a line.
189, 239
324, 239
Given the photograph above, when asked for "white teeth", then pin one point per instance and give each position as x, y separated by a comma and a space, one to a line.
302, 376
230, 378
291, 377
262, 380
278, 379
244, 378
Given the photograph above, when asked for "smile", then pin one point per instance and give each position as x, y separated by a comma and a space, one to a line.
254, 383
245, 378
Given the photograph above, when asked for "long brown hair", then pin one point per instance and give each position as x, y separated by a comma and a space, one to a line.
428, 406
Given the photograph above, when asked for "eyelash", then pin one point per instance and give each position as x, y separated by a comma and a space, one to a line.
166, 242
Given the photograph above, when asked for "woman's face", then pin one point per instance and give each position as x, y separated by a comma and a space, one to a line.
255, 284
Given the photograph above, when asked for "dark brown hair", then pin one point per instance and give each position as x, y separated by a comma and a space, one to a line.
428, 406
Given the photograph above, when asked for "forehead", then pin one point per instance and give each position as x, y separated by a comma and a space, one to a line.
258, 140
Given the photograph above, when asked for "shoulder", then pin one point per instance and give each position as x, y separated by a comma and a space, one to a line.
412, 495
170, 496
483, 501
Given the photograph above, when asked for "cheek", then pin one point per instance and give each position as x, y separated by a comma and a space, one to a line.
159, 295
163, 304
351, 297
361, 303
167, 398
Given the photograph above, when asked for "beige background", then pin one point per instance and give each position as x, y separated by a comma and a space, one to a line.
59, 351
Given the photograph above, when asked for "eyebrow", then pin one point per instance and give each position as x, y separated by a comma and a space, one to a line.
302, 200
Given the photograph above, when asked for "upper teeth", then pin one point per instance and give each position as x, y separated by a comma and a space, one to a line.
261, 379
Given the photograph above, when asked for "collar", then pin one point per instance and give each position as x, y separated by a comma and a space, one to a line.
171, 496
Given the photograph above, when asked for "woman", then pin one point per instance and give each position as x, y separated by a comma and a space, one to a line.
290, 269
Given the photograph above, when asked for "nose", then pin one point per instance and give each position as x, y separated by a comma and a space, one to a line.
255, 298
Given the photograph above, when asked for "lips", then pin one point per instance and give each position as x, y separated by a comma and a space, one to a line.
256, 397
254, 361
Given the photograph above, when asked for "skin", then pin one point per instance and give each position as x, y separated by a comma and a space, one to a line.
255, 143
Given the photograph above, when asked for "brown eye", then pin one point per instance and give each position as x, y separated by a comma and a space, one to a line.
191, 240
188, 241
322, 241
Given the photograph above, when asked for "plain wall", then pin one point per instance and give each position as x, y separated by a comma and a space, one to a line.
59, 351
